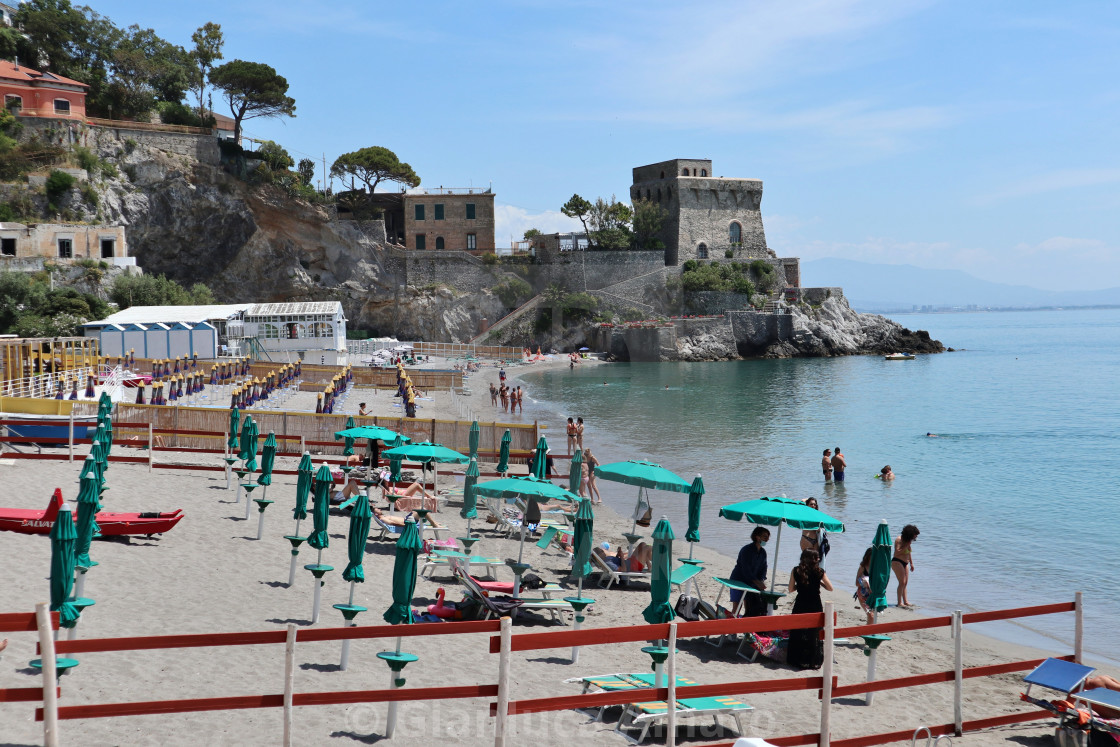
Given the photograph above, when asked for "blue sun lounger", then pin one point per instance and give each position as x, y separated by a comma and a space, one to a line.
1068, 678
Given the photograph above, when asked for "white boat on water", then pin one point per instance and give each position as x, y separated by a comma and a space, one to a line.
900, 357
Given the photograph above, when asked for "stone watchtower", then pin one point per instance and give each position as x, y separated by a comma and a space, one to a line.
707, 215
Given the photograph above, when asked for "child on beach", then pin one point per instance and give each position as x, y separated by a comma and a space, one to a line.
863, 585
903, 561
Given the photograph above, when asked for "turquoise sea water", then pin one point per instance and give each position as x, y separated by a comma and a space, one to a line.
1016, 499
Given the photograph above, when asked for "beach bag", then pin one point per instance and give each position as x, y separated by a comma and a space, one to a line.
1070, 736
825, 547
532, 581
687, 608
646, 517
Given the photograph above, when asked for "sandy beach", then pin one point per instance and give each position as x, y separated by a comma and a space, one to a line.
210, 574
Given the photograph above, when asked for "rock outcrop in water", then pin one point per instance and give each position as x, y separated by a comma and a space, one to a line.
835, 329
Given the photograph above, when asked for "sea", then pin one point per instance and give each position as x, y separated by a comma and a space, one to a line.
1015, 493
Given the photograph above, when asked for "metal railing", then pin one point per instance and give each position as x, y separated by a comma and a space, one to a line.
45, 386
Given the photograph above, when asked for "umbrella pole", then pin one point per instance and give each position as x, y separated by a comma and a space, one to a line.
777, 544
345, 660
871, 662
318, 591
80, 583
521, 547
260, 524
575, 625
295, 555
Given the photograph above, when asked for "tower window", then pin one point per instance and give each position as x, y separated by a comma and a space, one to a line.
439, 212
702, 251
662, 174
659, 194
735, 233
703, 172
472, 241
684, 172
421, 241
470, 211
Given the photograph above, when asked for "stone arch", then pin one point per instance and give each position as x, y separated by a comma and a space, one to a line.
439, 243
684, 171
735, 232
703, 172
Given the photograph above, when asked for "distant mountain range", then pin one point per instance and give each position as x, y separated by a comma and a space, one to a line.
877, 287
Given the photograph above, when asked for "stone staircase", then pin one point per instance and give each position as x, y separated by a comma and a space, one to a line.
531, 305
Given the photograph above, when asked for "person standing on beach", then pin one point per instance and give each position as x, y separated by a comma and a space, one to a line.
591, 463
571, 435
503, 394
579, 433
520, 396
502, 375
750, 569
826, 465
493, 394
584, 478
806, 649
903, 562
839, 464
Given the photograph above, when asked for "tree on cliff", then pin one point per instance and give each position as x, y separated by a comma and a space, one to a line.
208, 41
157, 290
649, 219
145, 69
606, 222
306, 171
373, 165
253, 89
578, 208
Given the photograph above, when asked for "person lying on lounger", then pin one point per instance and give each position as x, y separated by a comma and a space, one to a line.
391, 493
637, 562
1108, 683
398, 521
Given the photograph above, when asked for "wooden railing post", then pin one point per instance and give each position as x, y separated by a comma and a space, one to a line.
502, 715
71, 457
958, 675
289, 682
1078, 632
671, 667
826, 674
50, 675
151, 443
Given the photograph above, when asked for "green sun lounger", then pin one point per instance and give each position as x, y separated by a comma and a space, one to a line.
645, 715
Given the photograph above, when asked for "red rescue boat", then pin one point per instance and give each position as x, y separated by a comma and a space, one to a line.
30, 521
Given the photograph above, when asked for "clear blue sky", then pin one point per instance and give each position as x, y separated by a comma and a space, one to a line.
978, 136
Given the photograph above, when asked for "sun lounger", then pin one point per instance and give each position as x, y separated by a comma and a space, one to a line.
392, 531
1068, 678
645, 715
553, 606
610, 575
685, 573
553, 533
506, 519
616, 682
444, 560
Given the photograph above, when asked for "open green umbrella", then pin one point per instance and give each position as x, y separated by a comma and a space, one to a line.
530, 488
356, 544
348, 447
395, 462
695, 495
540, 459
659, 609
370, 432
63, 536
647, 476
234, 425
427, 452
773, 512
575, 471
470, 498
472, 439
88, 506
503, 453
404, 575
320, 512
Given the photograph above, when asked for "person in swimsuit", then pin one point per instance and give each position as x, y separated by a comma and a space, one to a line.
493, 394
579, 433
887, 474
826, 465
584, 477
592, 486
903, 561
863, 586
810, 538
520, 400
503, 394
838, 465
571, 435
362, 408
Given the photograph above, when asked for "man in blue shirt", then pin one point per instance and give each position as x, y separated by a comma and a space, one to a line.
750, 568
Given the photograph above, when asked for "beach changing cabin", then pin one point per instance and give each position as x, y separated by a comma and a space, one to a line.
166, 331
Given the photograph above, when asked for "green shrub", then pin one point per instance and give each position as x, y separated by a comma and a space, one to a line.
89, 194
174, 113
490, 258
729, 253
86, 159
7, 215
58, 184
512, 291
690, 265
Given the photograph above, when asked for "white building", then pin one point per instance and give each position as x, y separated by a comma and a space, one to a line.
283, 332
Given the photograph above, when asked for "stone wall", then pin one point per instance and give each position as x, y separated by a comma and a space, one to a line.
590, 270
754, 331
460, 270
817, 296
714, 302
201, 148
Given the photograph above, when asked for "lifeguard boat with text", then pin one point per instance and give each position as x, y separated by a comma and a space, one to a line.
30, 521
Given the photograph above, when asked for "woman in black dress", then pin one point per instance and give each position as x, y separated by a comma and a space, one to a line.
806, 649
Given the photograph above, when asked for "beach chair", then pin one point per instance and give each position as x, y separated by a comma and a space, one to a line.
552, 606
443, 560
621, 681
1068, 678
609, 575
686, 573
505, 519
645, 715
554, 534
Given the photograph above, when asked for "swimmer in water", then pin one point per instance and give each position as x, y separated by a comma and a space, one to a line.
931, 435
886, 473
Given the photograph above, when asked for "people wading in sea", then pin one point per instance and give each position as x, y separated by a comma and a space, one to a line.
826, 465
839, 464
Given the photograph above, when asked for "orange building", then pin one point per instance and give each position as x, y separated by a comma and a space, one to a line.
35, 94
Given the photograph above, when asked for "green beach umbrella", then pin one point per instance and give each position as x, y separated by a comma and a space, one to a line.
234, 425
303, 488
107, 436
372, 433
695, 495
540, 459
88, 506
249, 435
395, 462
98, 455
503, 453
582, 543
774, 512
472, 439
63, 537
92, 468
322, 508
404, 575
243, 440
426, 452
268, 459
356, 543
659, 609
575, 471
880, 570
531, 488
348, 447
470, 497
646, 476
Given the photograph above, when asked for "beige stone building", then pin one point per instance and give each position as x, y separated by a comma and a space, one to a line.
63, 242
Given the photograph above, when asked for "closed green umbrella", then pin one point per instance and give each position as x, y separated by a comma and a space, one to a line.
540, 459
646, 475
268, 459
695, 495
234, 425
880, 570
88, 506
472, 439
395, 462
63, 537
321, 509
470, 498
243, 440
774, 512
107, 441
503, 453
303, 488
98, 455
404, 575
250, 446
575, 471
582, 543
659, 609
348, 447
356, 544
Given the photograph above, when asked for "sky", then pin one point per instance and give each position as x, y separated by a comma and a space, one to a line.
951, 135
